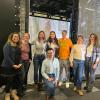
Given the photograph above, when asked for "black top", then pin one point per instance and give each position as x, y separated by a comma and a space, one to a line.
30, 53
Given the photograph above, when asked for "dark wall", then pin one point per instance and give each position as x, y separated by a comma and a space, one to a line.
9, 21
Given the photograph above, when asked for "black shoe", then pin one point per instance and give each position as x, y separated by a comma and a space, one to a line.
88, 91
85, 88
39, 86
24, 87
21, 94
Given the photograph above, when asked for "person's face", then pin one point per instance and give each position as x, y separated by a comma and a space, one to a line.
15, 38
64, 34
26, 37
92, 39
50, 53
52, 35
80, 40
41, 35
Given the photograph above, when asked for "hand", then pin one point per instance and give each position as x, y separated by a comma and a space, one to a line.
19, 65
15, 66
94, 66
30, 60
71, 64
50, 79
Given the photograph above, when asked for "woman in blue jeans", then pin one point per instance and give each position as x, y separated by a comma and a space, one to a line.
91, 62
50, 73
77, 59
39, 55
26, 57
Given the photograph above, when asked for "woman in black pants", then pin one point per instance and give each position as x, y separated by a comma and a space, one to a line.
11, 66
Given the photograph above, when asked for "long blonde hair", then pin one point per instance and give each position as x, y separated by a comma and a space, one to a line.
9, 41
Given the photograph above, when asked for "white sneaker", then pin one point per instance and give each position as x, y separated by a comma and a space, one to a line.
67, 84
60, 84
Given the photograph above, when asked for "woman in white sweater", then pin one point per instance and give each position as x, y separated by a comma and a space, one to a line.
77, 59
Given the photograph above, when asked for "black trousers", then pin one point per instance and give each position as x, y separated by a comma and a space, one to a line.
13, 79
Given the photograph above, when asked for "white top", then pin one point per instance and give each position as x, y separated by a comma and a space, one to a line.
50, 67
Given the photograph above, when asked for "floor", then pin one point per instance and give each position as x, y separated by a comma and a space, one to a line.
62, 93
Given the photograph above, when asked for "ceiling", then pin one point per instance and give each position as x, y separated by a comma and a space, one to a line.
52, 7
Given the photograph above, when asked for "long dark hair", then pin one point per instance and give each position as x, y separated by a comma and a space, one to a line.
39, 34
55, 38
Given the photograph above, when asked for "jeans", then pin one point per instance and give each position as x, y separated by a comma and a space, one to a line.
89, 74
78, 69
50, 85
26, 65
37, 61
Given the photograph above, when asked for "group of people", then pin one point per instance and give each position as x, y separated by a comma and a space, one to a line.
15, 65
51, 58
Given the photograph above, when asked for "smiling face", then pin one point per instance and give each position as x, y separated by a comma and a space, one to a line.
80, 40
50, 53
26, 37
41, 35
92, 38
52, 35
64, 34
15, 38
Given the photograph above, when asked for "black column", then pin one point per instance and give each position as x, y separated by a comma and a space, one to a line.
74, 20
27, 15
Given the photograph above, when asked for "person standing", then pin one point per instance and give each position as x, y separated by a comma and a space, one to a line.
50, 73
77, 59
65, 45
39, 56
52, 42
26, 57
91, 62
11, 66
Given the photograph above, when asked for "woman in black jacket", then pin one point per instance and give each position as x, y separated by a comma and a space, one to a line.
11, 66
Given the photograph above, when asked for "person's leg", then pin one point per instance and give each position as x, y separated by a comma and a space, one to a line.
80, 73
41, 58
92, 79
20, 88
80, 77
49, 88
40, 75
36, 69
71, 74
61, 72
9, 84
14, 94
66, 66
87, 74
26, 68
75, 72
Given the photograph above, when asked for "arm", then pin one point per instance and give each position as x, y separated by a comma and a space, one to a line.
97, 59
71, 57
30, 53
44, 74
6, 51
